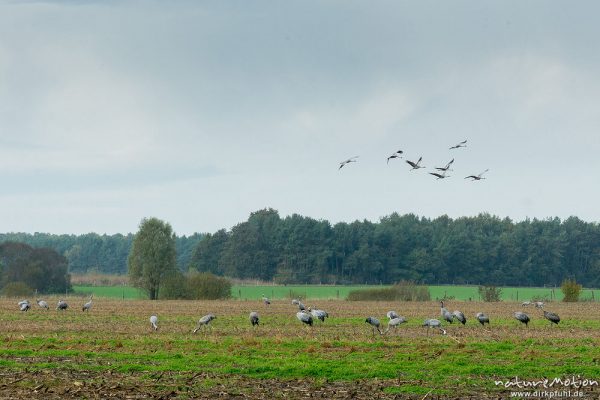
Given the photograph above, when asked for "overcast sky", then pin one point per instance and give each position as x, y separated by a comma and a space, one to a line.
200, 112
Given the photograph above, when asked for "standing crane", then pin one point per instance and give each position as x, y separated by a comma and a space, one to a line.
394, 323
266, 300
87, 306
552, 317
446, 315
319, 314
304, 317
42, 304
62, 305
254, 318
460, 317
434, 323
154, 322
392, 314
204, 321
483, 318
522, 317
24, 305
374, 322
297, 302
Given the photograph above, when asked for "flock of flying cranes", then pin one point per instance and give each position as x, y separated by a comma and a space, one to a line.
308, 316
441, 172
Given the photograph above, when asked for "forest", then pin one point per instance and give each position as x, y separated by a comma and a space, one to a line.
484, 250
92, 252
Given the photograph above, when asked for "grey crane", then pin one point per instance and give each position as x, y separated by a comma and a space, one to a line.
522, 317
266, 300
552, 317
434, 323
24, 305
460, 317
348, 161
445, 168
42, 304
439, 176
477, 177
483, 318
154, 322
395, 322
446, 315
204, 321
526, 303
319, 314
392, 314
374, 322
415, 165
304, 317
459, 145
62, 305
297, 302
397, 154
254, 318
87, 306
539, 304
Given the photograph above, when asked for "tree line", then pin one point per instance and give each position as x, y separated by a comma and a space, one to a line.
469, 250
92, 252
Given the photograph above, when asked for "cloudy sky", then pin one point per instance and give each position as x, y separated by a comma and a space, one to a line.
200, 112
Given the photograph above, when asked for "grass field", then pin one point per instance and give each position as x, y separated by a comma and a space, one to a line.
111, 351
250, 292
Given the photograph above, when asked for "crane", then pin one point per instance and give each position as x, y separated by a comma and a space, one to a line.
319, 314
42, 304
522, 317
415, 165
266, 300
87, 306
304, 317
434, 323
396, 154
459, 145
154, 322
483, 318
62, 305
254, 318
446, 315
395, 322
24, 305
348, 161
204, 321
477, 177
460, 317
392, 314
374, 322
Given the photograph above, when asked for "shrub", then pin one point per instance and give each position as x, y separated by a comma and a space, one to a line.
490, 293
16, 289
174, 287
207, 286
402, 291
571, 290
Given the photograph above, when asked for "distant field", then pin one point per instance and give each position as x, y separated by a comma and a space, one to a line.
113, 292
325, 292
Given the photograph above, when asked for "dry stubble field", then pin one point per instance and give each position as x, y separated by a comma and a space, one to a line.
112, 351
